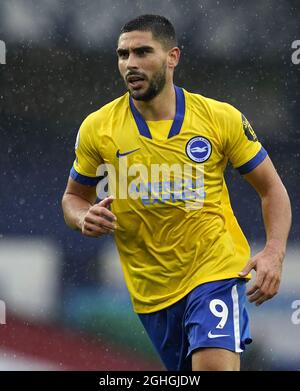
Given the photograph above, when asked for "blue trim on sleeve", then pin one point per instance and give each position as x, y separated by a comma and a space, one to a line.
254, 162
83, 179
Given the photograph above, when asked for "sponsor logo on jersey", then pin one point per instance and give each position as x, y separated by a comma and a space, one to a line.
119, 154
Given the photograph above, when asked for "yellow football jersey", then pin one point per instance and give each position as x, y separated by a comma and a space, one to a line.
176, 228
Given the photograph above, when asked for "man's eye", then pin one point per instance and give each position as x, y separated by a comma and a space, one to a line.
123, 55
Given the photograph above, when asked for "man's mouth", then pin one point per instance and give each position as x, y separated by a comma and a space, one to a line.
135, 81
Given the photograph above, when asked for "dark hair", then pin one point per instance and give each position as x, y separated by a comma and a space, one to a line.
161, 28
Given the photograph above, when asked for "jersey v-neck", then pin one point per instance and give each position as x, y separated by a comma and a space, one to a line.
160, 129
177, 122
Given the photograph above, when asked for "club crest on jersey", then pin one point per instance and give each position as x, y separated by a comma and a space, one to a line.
198, 149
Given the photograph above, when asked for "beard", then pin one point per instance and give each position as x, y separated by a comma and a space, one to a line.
156, 85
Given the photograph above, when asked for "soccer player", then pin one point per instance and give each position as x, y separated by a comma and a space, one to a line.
185, 259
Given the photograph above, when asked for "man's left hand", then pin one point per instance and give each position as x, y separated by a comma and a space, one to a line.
268, 266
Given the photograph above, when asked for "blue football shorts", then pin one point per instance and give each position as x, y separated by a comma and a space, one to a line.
212, 315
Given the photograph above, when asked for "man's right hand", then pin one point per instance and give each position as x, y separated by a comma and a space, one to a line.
99, 220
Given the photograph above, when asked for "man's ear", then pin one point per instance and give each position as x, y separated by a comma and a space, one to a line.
173, 57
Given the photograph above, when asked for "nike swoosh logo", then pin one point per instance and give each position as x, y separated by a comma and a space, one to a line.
210, 335
119, 154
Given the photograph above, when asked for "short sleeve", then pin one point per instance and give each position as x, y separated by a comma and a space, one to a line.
87, 160
241, 145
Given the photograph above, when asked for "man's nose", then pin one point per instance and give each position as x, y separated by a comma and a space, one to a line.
132, 62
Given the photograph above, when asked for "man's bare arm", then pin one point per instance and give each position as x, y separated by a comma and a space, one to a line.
276, 210
81, 212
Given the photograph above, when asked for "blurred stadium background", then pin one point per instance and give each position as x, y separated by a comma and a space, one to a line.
67, 307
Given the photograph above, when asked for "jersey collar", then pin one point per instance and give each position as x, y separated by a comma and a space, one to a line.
177, 122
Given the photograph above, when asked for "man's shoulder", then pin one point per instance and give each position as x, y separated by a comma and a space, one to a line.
106, 111
213, 106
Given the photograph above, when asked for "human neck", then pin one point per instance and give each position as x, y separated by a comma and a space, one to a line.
162, 107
